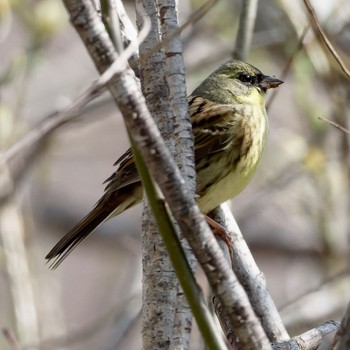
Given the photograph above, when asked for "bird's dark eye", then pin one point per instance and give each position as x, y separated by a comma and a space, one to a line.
248, 79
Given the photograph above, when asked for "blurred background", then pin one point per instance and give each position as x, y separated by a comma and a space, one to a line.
294, 215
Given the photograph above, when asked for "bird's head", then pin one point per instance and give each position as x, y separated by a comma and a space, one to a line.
237, 82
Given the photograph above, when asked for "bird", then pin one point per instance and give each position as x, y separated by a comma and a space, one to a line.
230, 127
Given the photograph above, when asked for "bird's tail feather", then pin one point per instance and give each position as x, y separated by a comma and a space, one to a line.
77, 234
109, 205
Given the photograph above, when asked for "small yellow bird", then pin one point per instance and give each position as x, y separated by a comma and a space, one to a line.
230, 126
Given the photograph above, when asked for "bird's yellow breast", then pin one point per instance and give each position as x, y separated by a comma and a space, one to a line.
242, 172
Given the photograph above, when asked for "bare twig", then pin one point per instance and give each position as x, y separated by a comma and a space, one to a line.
336, 125
246, 28
48, 125
309, 340
318, 29
251, 277
51, 123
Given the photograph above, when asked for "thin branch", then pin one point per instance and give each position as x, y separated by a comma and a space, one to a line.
245, 29
251, 277
51, 123
29, 146
309, 340
336, 125
48, 125
318, 29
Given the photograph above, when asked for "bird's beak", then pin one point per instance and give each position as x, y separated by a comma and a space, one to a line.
269, 82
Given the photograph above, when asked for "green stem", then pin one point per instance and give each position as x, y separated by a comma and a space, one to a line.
194, 295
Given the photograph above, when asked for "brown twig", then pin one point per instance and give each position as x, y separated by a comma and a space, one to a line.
337, 126
318, 29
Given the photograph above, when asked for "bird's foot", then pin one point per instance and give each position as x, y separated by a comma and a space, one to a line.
220, 231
